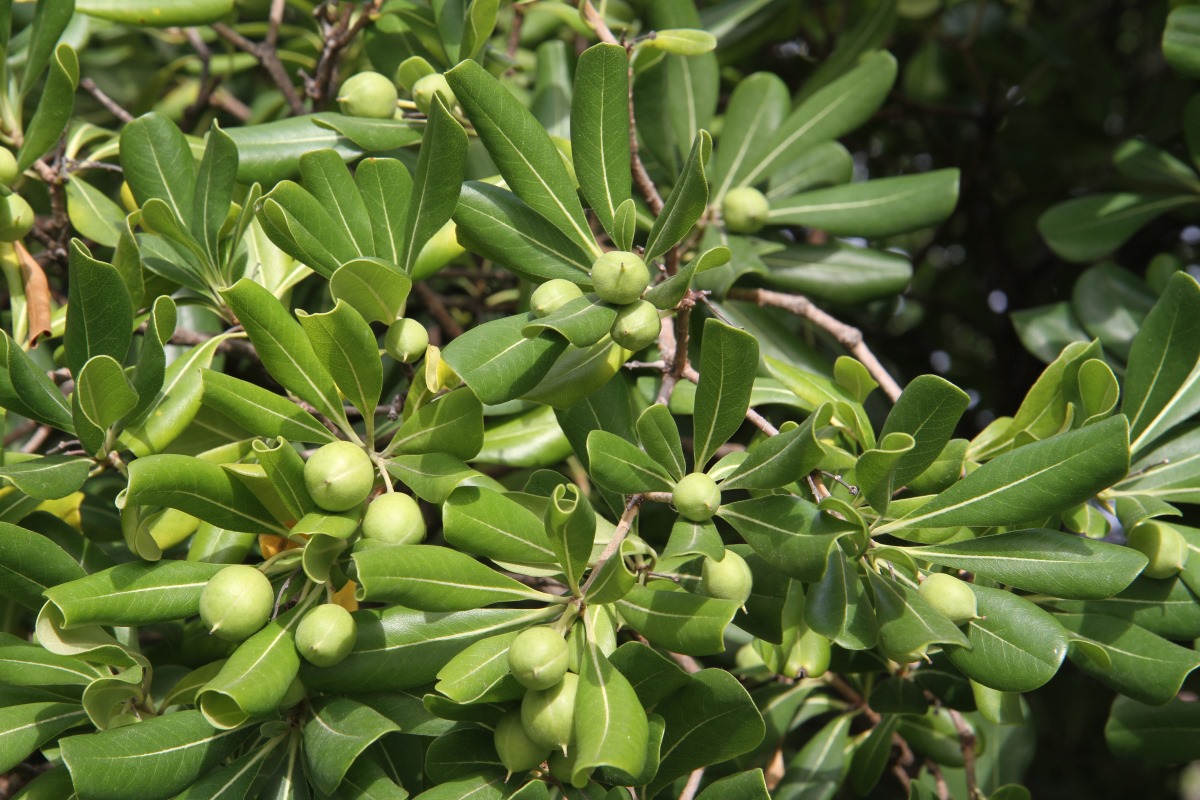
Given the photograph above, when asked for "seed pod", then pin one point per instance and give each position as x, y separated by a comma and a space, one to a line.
808, 656
428, 86
620, 277
1164, 546
236, 602
406, 340
727, 579
951, 596
562, 769
745, 210
553, 295
326, 635
394, 518
8, 167
636, 326
16, 218
548, 715
538, 658
339, 476
696, 497
368, 94
517, 751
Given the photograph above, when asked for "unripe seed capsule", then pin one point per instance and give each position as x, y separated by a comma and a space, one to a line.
368, 94
620, 277
951, 596
696, 497
548, 715
1163, 545
727, 579
236, 602
394, 518
517, 751
538, 658
339, 476
326, 635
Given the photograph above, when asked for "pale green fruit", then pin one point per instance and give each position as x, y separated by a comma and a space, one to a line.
1164, 546
636, 326
236, 602
428, 86
562, 769
339, 476
951, 596
368, 94
620, 277
406, 340
538, 657
548, 715
809, 655
394, 518
553, 295
745, 210
696, 497
8, 167
16, 218
326, 635
727, 579
518, 753
295, 694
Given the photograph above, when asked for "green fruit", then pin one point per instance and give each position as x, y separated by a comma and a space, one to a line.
368, 94
553, 295
538, 657
425, 88
518, 753
16, 218
748, 658
339, 476
745, 210
236, 602
951, 596
1163, 545
637, 325
326, 635
548, 715
727, 579
696, 497
394, 518
562, 769
406, 340
620, 277
8, 167
808, 656
295, 694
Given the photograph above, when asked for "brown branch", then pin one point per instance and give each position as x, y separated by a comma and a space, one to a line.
114, 108
847, 336
269, 59
614, 544
838, 683
437, 308
207, 84
693, 784
336, 37
966, 740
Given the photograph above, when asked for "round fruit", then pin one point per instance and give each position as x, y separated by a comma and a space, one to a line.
16, 218
326, 635
637, 325
538, 657
809, 655
425, 88
745, 210
620, 277
951, 596
727, 579
295, 693
562, 769
236, 602
406, 340
1163, 545
339, 476
394, 518
8, 167
549, 714
696, 497
553, 295
517, 751
368, 94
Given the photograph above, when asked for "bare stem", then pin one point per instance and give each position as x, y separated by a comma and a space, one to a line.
614, 544
966, 740
269, 59
693, 784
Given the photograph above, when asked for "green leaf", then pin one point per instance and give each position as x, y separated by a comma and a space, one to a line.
385, 186
233, 780
154, 13
93, 214
48, 477
480, 673
47, 28
29, 565
582, 321
433, 476
301, 227
530, 439
497, 225
99, 311
1015, 647
522, 150
757, 106
478, 27
398, 648
1042, 561
284, 349
815, 772
440, 168
1141, 161
24, 728
328, 180
1127, 658
784, 458
103, 392
452, 423
600, 130
571, 529
260, 410
749, 785
836, 109
156, 758
871, 756
875, 471
492, 525
1160, 387
610, 723
873, 209
659, 437
269, 152
1168, 472
710, 720
285, 469
790, 533
870, 30
680, 621
1033, 481
908, 625
215, 180
928, 409
1089, 228
728, 363
1111, 302
1165, 607
1166, 734
136, 593
651, 674
432, 578
837, 607
199, 488
158, 164
1181, 41
686, 203
498, 362
667, 294
338, 732
53, 108
346, 346
837, 272
374, 288
619, 465
28, 391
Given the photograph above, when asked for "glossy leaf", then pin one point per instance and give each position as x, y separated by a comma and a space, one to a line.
261, 411
582, 321
571, 529
907, 623
680, 621
928, 409
610, 725
338, 732
157, 164
685, 204
659, 436
99, 311
790, 533
433, 578
621, 466
874, 209
346, 346
1128, 658
435, 188
756, 108
30, 564
1015, 647
1089, 228
498, 362
53, 109
600, 130
136, 593
728, 363
492, 525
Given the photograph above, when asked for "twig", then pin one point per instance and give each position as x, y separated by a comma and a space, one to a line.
89, 86
437, 308
693, 784
36, 440
847, 336
335, 38
838, 683
269, 60
207, 84
614, 544
966, 740
752, 416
